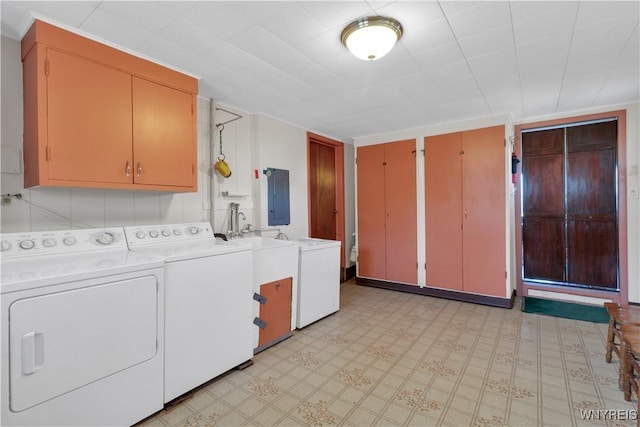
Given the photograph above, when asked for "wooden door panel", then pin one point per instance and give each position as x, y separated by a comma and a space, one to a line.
164, 150
594, 136
591, 183
89, 120
548, 141
484, 211
593, 253
371, 240
322, 200
543, 241
443, 210
276, 312
401, 211
543, 188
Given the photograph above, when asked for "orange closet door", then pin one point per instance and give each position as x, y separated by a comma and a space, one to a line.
443, 210
89, 120
484, 216
401, 211
164, 152
371, 212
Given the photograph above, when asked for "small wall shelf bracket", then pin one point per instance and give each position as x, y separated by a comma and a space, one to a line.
237, 117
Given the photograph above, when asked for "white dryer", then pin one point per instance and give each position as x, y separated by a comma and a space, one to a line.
208, 302
82, 329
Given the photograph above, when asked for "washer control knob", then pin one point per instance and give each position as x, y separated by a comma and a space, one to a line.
166, 233
69, 240
49, 242
177, 231
153, 234
140, 234
4, 246
105, 238
194, 230
27, 244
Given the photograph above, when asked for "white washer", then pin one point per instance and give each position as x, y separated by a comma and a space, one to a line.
82, 329
208, 302
318, 279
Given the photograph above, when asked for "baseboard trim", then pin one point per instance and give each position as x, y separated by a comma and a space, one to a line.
440, 293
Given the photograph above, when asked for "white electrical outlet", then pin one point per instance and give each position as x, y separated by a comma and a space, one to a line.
633, 193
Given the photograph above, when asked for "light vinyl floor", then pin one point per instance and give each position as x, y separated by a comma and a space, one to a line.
389, 358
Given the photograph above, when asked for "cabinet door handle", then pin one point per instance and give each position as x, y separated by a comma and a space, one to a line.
139, 169
127, 169
465, 213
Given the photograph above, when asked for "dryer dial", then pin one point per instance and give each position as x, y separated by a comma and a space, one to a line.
27, 244
105, 238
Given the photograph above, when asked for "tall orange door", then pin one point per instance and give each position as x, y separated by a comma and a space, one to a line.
164, 153
89, 120
443, 214
484, 211
465, 211
371, 240
387, 212
401, 211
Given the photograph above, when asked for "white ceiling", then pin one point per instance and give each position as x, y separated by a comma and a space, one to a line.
457, 60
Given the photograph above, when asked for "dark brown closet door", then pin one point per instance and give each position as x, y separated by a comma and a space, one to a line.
591, 204
569, 205
543, 236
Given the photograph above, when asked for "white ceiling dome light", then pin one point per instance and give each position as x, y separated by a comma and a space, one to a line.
371, 38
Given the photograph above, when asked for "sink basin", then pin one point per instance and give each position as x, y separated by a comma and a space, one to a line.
259, 243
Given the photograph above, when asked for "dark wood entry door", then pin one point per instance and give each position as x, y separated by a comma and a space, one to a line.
570, 234
322, 197
325, 168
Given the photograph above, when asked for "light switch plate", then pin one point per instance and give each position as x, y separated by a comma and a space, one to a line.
633, 193
10, 160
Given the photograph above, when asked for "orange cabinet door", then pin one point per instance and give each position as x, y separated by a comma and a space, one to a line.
484, 216
88, 121
371, 240
401, 211
164, 148
443, 210
276, 312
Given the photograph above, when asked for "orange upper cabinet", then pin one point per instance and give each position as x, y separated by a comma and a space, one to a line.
98, 117
465, 211
387, 212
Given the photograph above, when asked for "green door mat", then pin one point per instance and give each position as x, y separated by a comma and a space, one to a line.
568, 310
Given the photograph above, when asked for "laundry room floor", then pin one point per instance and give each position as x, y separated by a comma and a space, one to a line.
389, 358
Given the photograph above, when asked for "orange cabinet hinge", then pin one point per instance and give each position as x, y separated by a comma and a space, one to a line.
193, 169
46, 67
47, 153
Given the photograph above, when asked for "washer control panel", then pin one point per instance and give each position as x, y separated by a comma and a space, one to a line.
61, 241
152, 234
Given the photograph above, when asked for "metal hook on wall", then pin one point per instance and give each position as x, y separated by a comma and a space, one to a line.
238, 117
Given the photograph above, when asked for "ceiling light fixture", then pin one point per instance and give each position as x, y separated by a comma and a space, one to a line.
371, 38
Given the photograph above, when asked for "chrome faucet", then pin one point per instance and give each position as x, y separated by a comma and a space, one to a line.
234, 219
